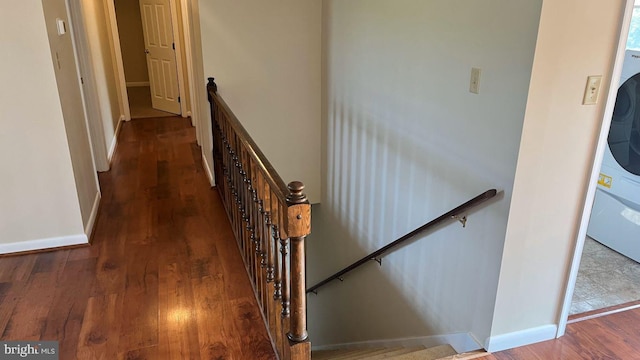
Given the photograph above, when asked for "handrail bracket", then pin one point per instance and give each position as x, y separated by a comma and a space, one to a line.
461, 219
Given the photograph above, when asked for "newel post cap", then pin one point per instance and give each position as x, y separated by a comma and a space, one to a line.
212, 84
296, 196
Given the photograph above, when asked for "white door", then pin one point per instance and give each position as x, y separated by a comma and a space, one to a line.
161, 57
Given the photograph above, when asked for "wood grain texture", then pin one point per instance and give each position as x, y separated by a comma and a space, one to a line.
163, 278
611, 337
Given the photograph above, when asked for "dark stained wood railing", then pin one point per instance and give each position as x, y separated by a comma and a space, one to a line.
270, 222
449, 215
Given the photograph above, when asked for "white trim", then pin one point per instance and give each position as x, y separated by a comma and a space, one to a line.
195, 69
88, 228
520, 338
595, 170
92, 101
116, 56
114, 142
604, 313
177, 40
208, 171
137, 83
461, 342
186, 30
41, 244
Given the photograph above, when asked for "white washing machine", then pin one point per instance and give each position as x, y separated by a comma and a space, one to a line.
615, 218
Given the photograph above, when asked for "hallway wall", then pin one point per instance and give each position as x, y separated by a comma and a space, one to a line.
67, 78
39, 203
554, 164
266, 61
405, 141
95, 17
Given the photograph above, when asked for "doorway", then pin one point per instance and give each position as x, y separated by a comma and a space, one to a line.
601, 278
609, 273
149, 33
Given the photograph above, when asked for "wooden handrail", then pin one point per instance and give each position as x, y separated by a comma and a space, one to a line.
270, 221
451, 214
278, 186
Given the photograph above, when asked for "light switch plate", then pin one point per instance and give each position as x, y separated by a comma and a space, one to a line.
474, 83
592, 90
62, 27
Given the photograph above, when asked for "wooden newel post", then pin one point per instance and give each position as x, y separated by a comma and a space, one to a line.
299, 226
211, 85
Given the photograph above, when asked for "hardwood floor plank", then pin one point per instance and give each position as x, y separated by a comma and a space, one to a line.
139, 321
99, 336
65, 317
16, 268
179, 338
29, 316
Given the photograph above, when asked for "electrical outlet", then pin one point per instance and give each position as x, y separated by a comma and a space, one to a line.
592, 90
474, 83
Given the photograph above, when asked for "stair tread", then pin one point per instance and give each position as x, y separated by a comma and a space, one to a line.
440, 352
395, 352
432, 353
468, 355
363, 354
340, 354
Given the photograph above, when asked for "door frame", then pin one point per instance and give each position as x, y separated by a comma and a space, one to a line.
89, 92
597, 163
119, 65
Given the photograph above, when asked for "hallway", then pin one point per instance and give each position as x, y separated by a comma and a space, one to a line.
163, 278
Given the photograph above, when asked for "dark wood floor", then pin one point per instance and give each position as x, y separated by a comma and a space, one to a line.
163, 278
611, 337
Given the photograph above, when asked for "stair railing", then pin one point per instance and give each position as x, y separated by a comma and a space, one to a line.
270, 221
453, 214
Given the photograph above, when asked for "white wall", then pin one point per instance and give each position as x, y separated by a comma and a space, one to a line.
67, 78
403, 142
265, 57
554, 163
38, 193
98, 32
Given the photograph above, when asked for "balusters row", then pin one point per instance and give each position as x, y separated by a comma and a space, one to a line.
269, 222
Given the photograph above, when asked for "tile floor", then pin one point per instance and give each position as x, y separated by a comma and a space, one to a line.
605, 278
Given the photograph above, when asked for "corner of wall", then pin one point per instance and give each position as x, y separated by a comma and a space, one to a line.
207, 170
520, 338
114, 142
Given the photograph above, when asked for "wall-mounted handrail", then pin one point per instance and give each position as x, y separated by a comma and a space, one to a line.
449, 215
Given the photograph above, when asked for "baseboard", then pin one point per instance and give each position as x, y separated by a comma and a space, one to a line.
137, 83
521, 338
42, 244
114, 142
208, 171
461, 342
88, 228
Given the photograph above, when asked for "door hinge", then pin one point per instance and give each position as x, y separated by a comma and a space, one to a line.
174, 46
81, 80
178, 98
